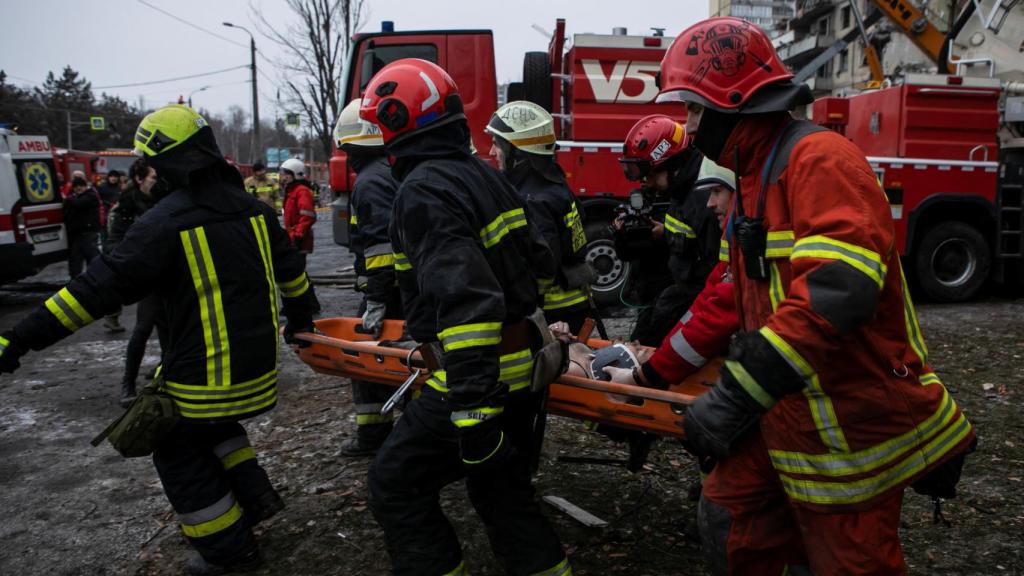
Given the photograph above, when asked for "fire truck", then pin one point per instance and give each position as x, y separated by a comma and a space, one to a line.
32, 232
596, 86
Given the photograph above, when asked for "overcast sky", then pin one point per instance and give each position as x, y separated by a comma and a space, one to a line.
117, 42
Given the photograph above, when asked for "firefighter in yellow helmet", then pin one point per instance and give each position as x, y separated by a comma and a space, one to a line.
262, 186
373, 199
524, 147
216, 257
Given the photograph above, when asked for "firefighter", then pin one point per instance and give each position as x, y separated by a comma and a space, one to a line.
373, 199
524, 149
214, 254
299, 213
826, 407
658, 154
262, 186
467, 263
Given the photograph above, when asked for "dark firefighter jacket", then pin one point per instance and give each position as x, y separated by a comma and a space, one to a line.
467, 264
691, 232
130, 206
373, 200
215, 265
553, 209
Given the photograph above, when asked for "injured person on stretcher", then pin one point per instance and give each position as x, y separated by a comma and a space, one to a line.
587, 362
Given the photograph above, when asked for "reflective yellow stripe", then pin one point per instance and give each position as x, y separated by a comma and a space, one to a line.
4, 343
542, 139
212, 519
749, 384
862, 259
723, 250
470, 335
560, 569
227, 409
382, 261
259, 228
556, 299
677, 226
294, 288
368, 419
211, 307
474, 416
402, 262
352, 219
575, 224
68, 310
868, 459
501, 439
514, 369
910, 321
775, 291
502, 225
438, 380
780, 244
861, 490
237, 457
929, 378
205, 392
822, 410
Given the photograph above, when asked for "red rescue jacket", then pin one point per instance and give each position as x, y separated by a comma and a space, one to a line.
300, 215
872, 415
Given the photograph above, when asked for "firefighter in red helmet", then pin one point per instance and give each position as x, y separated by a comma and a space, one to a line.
826, 408
467, 264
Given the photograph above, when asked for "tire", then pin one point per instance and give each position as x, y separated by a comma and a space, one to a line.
612, 272
952, 262
537, 79
513, 91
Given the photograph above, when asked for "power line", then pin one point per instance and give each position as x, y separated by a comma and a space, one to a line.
189, 77
187, 23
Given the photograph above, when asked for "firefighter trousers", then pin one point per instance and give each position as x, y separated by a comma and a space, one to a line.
372, 427
748, 525
212, 479
421, 456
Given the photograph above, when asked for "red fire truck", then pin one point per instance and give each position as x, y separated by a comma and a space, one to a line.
596, 88
955, 191
32, 231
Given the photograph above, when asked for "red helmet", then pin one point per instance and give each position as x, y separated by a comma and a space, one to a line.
720, 63
408, 96
650, 143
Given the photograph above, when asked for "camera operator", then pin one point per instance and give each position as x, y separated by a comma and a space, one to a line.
657, 153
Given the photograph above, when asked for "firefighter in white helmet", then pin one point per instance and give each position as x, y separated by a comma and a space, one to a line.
524, 148
373, 198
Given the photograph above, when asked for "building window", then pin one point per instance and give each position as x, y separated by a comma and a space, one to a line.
845, 17
844, 61
822, 26
825, 71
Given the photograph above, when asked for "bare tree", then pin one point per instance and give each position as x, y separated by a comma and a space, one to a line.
317, 43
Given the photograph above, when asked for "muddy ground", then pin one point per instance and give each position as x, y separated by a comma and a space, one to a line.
68, 508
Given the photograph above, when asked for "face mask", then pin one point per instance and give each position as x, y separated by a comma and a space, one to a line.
714, 131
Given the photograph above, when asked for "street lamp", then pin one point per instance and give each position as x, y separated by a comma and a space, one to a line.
193, 92
255, 145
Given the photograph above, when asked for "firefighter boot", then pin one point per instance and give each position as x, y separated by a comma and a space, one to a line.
127, 393
266, 506
112, 324
198, 566
356, 448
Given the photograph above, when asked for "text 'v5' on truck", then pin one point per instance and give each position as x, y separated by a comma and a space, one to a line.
947, 148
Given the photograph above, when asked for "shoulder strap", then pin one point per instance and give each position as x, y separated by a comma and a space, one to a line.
794, 134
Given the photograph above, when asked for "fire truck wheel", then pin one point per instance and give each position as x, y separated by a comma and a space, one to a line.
537, 79
952, 262
612, 272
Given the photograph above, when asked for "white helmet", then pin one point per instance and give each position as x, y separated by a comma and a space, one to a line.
524, 125
712, 174
295, 166
351, 130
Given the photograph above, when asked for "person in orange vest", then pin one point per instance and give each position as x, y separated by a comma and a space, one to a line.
826, 408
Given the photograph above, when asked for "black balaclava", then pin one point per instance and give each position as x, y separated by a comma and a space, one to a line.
714, 131
449, 140
683, 170
520, 164
359, 157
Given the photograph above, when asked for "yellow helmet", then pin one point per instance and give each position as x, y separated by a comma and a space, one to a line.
524, 125
166, 128
351, 130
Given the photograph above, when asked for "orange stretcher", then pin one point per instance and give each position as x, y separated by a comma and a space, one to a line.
340, 349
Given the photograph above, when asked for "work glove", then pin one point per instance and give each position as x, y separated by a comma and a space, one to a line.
485, 448
718, 418
373, 318
10, 351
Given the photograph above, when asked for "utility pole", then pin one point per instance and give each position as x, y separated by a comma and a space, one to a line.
255, 146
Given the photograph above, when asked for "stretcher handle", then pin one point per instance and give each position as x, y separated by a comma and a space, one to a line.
626, 390
400, 353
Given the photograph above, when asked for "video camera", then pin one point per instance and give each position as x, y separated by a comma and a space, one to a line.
634, 237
